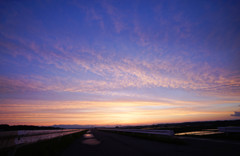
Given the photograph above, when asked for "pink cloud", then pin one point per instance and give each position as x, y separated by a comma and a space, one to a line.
168, 72
133, 73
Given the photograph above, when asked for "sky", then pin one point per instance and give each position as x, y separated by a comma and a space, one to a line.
119, 62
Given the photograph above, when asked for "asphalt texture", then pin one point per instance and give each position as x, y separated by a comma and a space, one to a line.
98, 143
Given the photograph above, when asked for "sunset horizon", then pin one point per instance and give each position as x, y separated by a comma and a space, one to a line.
119, 62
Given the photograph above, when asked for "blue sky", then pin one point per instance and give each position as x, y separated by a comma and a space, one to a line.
118, 62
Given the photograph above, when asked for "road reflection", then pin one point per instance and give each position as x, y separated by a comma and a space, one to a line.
88, 136
203, 132
90, 139
91, 142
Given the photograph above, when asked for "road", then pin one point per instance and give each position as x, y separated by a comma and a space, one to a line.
98, 143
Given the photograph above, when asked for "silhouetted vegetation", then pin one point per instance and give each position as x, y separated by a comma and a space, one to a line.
5, 127
189, 126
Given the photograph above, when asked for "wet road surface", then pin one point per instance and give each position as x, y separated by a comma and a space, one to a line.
98, 143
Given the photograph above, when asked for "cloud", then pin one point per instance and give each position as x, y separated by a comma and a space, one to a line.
236, 114
91, 14
115, 15
168, 72
113, 70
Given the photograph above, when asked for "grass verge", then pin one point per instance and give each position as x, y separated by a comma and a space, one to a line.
50, 147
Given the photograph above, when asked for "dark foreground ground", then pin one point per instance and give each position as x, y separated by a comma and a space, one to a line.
111, 144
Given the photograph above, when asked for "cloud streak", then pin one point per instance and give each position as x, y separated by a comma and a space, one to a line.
236, 114
170, 73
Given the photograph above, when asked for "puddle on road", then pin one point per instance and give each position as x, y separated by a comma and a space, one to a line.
91, 142
89, 139
88, 136
204, 132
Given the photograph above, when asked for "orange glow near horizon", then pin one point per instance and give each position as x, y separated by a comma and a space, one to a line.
47, 113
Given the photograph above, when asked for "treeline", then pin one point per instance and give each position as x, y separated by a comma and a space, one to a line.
190, 126
5, 127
